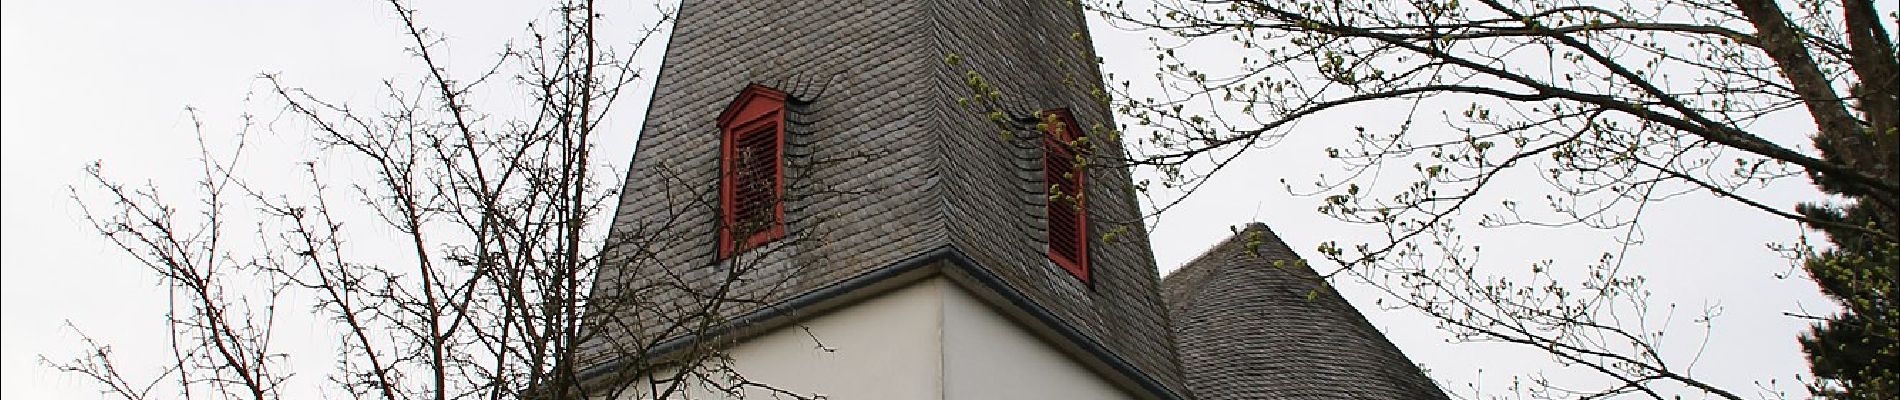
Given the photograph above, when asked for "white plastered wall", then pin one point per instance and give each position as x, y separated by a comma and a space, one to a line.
989, 357
929, 340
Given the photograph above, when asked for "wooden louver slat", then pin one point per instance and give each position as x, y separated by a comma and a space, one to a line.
1060, 174
755, 178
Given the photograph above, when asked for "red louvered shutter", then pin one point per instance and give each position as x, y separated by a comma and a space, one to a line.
1067, 208
752, 171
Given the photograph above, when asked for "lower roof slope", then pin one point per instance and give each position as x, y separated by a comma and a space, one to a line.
1253, 321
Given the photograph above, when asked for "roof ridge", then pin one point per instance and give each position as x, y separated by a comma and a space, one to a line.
1211, 250
1197, 273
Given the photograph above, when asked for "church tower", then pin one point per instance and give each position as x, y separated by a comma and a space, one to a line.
814, 194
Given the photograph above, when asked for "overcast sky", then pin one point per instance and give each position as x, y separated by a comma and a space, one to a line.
110, 80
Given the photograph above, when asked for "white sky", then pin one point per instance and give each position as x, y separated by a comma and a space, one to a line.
109, 80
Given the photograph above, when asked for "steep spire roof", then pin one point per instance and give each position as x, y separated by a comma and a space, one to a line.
1253, 321
885, 173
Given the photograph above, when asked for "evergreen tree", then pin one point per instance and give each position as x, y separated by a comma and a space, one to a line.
1856, 354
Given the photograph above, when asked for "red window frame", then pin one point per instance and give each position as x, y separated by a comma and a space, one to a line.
1068, 222
758, 111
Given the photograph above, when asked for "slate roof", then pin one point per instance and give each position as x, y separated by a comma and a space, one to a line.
883, 166
1248, 330
886, 171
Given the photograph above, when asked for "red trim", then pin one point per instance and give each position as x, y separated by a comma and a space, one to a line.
758, 110
752, 101
1068, 228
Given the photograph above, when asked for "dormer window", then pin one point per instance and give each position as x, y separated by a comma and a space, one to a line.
1064, 150
752, 170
